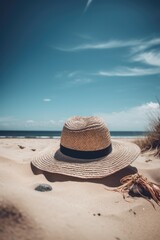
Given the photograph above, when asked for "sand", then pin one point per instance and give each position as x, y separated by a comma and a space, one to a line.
75, 209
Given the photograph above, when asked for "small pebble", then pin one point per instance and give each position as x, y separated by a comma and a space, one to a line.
130, 210
21, 147
98, 214
43, 187
148, 160
33, 149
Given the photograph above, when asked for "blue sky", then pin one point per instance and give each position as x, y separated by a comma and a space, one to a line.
77, 57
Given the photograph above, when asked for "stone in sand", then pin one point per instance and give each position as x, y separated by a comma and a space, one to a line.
43, 187
21, 147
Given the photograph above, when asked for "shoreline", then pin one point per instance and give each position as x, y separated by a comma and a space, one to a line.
57, 134
58, 137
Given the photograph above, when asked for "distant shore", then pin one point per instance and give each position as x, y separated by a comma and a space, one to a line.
57, 134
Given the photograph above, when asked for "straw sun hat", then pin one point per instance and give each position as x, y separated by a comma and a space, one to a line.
86, 151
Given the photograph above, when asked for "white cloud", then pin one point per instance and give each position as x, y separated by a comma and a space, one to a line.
52, 122
136, 118
88, 4
129, 72
30, 121
81, 81
76, 77
139, 53
7, 119
12, 123
150, 58
68, 74
102, 45
46, 99
145, 44
7, 122
136, 45
72, 74
43, 124
149, 106
60, 122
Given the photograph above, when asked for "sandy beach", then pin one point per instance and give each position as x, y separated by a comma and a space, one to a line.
74, 209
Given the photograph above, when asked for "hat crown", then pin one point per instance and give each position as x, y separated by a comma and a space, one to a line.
85, 134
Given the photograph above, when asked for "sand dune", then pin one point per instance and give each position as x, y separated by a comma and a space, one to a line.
75, 208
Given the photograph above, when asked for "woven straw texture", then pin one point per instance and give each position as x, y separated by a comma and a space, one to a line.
87, 134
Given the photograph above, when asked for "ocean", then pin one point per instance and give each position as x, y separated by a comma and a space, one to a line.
57, 134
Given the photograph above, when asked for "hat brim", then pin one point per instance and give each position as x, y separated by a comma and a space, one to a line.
122, 155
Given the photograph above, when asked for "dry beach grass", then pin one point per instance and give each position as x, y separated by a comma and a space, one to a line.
151, 142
